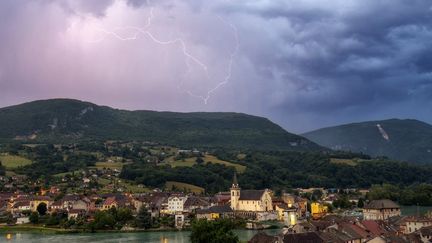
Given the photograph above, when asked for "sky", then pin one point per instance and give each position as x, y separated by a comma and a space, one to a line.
303, 64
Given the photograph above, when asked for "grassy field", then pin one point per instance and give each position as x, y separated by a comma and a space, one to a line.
12, 161
129, 187
67, 173
213, 159
10, 173
352, 162
207, 159
189, 162
183, 186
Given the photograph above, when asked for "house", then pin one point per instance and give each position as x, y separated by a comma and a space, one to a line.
318, 210
83, 204
222, 198
415, 223
69, 199
56, 206
153, 202
20, 206
426, 234
75, 213
117, 201
22, 220
109, 203
250, 200
176, 203
381, 210
193, 203
215, 212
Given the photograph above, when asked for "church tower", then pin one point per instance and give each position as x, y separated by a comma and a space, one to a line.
235, 193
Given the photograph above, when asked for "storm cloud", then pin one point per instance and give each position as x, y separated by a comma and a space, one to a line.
302, 63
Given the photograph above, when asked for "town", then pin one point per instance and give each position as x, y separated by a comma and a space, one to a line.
300, 219
95, 198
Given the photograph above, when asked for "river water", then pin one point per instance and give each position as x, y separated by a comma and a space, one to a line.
151, 237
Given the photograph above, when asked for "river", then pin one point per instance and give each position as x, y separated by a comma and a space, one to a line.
150, 237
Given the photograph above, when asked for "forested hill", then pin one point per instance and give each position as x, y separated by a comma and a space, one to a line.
407, 140
65, 120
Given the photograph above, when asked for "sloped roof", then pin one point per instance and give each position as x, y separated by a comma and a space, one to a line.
262, 237
21, 204
426, 231
217, 209
355, 231
330, 237
57, 203
310, 237
373, 227
251, 194
42, 198
381, 204
195, 201
110, 201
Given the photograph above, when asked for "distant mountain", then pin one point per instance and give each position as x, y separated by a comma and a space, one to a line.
65, 120
407, 140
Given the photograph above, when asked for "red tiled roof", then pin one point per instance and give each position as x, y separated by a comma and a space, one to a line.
110, 201
373, 227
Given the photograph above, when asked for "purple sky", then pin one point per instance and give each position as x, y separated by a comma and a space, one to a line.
304, 64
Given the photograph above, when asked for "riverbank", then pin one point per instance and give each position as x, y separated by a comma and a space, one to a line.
51, 230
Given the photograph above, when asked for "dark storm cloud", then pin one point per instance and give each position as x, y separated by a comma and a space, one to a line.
305, 64
345, 55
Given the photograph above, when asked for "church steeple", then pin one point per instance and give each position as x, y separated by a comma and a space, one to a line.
235, 193
235, 182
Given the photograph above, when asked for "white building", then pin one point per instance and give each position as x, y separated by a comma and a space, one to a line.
176, 203
415, 223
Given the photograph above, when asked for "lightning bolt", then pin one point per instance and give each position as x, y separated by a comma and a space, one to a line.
188, 56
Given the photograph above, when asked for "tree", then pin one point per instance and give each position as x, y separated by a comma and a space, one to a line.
342, 202
143, 219
360, 203
218, 231
124, 215
199, 160
42, 208
34, 218
103, 220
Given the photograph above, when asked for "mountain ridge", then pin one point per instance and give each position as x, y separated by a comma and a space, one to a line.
400, 139
60, 120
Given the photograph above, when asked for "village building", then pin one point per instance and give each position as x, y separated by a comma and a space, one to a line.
215, 212
176, 203
75, 213
381, 210
250, 200
56, 206
415, 223
35, 201
109, 203
193, 203
20, 206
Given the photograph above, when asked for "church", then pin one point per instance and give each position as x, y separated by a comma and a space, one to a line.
250, 200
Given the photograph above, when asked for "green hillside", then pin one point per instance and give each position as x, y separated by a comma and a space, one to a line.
407, 140
64, 120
